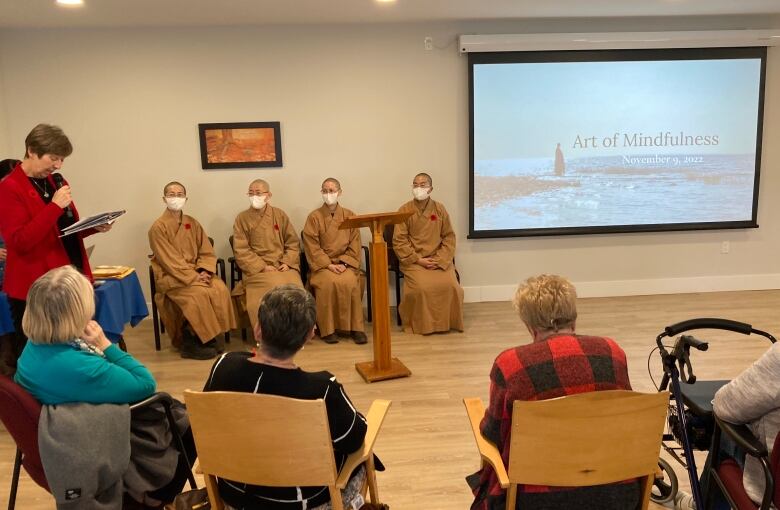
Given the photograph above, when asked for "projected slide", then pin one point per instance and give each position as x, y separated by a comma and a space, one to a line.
622, 143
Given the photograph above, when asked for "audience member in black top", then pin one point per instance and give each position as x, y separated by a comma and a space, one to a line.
285, 323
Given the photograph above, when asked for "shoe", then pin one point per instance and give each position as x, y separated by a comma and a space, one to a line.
684, 501
191, 348
343, 334
331, 339
359, 337
217, 343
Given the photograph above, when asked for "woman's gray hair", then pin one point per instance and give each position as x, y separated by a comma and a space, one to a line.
547, 302
287, 314
59, 305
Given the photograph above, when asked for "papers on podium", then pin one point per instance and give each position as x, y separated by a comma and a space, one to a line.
106, 218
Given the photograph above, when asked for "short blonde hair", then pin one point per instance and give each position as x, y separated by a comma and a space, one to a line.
547, 302
59, 306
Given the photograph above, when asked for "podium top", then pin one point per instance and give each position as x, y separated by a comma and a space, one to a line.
378, 219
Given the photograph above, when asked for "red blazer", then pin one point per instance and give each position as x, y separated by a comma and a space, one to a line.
29, 228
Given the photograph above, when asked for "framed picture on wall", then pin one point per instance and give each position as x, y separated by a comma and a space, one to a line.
240, 145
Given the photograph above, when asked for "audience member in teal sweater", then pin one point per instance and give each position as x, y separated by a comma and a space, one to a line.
68, 357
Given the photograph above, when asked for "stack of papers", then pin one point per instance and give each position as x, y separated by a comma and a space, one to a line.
105, 218
111, 272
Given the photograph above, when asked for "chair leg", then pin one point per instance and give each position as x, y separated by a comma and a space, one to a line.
398, 297
15, 480
156, 328
371, 479
227, 337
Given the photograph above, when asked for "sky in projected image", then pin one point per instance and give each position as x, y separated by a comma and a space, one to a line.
640, 143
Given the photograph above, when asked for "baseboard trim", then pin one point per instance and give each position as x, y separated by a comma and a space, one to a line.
615, 288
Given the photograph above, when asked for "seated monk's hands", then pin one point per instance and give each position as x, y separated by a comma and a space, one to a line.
204, 277
269, 268
426, 262
284, 267
94, 336
337, 268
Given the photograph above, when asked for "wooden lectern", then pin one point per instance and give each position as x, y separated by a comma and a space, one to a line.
383, 367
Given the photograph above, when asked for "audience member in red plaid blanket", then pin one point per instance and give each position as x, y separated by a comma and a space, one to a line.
556, 363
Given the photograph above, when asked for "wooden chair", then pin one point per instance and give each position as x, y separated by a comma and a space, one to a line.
274, 441
159, 327
579, 440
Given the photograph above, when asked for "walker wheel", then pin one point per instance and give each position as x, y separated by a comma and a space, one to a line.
665, 485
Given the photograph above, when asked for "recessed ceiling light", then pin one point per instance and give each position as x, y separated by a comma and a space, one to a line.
70, 3
385, 1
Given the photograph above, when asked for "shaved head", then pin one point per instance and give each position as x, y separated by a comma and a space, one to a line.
426, 176
174, 183
331, 180
260, 183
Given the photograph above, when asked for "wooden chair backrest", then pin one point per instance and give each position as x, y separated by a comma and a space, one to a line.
587, 439
262, 439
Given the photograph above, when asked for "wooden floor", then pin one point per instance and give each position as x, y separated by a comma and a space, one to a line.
426, 443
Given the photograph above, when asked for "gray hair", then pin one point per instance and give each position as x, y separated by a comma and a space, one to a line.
59, 305
547, 302
287, 314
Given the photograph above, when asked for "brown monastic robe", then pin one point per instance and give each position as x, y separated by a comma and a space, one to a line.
432, 299
179, 248
264, 238
339, 297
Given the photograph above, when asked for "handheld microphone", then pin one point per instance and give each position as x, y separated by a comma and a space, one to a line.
58, 183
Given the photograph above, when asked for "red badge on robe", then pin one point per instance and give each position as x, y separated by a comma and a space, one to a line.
187, 226
276, 226
434, 217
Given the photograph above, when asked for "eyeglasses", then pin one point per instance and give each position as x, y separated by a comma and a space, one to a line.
418, 185
326, 191
256, 193
175, 195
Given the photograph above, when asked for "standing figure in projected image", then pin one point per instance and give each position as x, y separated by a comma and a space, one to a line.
560, 164
35, 206
194, 305
432, 300
266, 248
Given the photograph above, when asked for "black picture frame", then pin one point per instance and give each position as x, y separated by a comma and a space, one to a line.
250, 145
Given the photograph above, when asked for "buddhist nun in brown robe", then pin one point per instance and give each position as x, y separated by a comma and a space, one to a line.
266, 248
432, 299
184, 263
334, 263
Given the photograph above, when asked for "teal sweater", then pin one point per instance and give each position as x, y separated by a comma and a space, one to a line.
61, 373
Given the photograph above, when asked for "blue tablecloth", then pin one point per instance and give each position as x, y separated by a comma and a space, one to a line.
6, 321
119, 302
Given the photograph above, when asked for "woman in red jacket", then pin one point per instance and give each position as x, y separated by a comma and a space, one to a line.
34, 208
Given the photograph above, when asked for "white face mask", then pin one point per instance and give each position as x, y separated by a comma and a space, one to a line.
421, 193
175, 203
258, 201
330, 198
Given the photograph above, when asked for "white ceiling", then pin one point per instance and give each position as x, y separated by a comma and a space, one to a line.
125, 13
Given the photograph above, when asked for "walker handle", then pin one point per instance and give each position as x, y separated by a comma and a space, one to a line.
708, 323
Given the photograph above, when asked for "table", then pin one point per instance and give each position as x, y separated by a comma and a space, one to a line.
117, 302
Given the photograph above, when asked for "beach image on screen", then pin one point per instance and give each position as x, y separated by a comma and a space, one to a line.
591, 144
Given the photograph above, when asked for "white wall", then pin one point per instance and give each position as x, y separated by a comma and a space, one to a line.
366, 104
